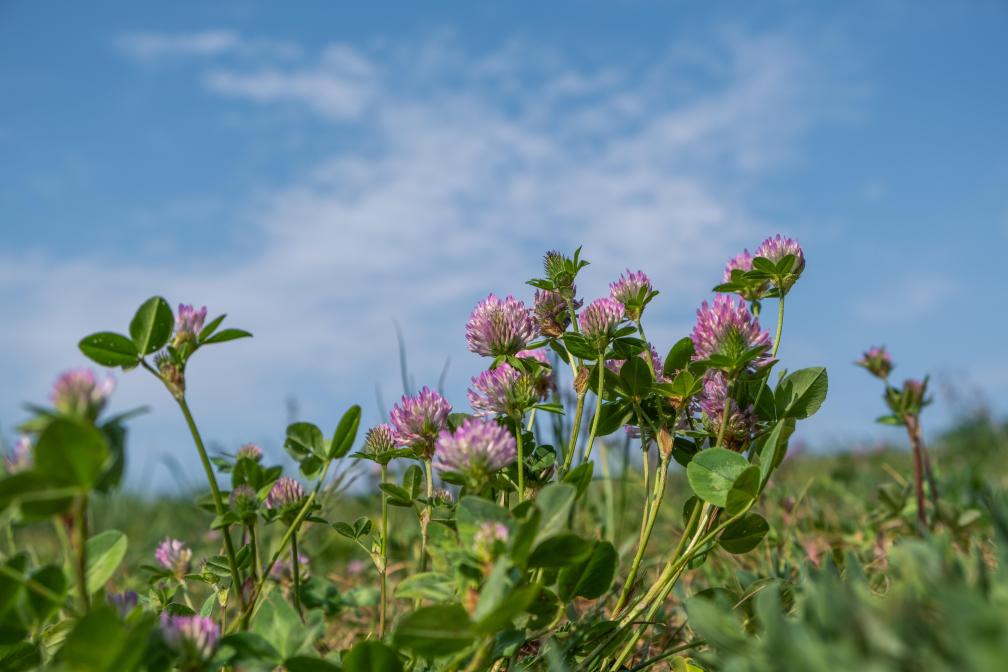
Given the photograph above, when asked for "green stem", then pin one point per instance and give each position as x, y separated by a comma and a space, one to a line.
664, 585
288, 534
185, 595
607, 491
61, 534
641, 603
780, 327
531, 422
296, 573
12, 545
80, 541
650, 363
598, 407
479, 658
650, 517
218, 500
575, 430
383, 575
256, 559
724, 416
36, 587
521, 460
425, 519
667, 654
673, 567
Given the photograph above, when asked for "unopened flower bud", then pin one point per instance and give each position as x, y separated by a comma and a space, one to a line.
171, 374
877, 361
250, 451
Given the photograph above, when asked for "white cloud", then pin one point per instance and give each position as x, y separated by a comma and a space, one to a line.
338, 87
153, 46
473, 168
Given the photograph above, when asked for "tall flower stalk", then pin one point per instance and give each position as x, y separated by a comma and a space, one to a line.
905, 405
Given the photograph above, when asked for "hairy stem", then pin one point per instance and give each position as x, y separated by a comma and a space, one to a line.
383, 575
598, 407
650, 517
666, 582
521, 460
780, 327
575, 430
288, 535
296, 574
913, 429
256, 559
425, 516
80, 541
218, 500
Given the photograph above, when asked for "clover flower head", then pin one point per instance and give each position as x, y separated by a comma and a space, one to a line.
877, 361
599, 320
742, 422
188, 323
499, 327
174, 555
543, 381
551, 313
244, 499
250, 451
627, 290
478, 448
79, 393
285, 492
443, 496
379, 439
778, 247
741, 262
417, 420
504, 391
123, 602
20, 456
727, 328
490, 540
195, 638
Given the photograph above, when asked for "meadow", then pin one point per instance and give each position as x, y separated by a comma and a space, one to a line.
599, 503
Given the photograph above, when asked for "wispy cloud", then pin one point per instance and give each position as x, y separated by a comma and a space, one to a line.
152, 46
338, 87
468, 168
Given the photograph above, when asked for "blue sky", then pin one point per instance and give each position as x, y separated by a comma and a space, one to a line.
322, 170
